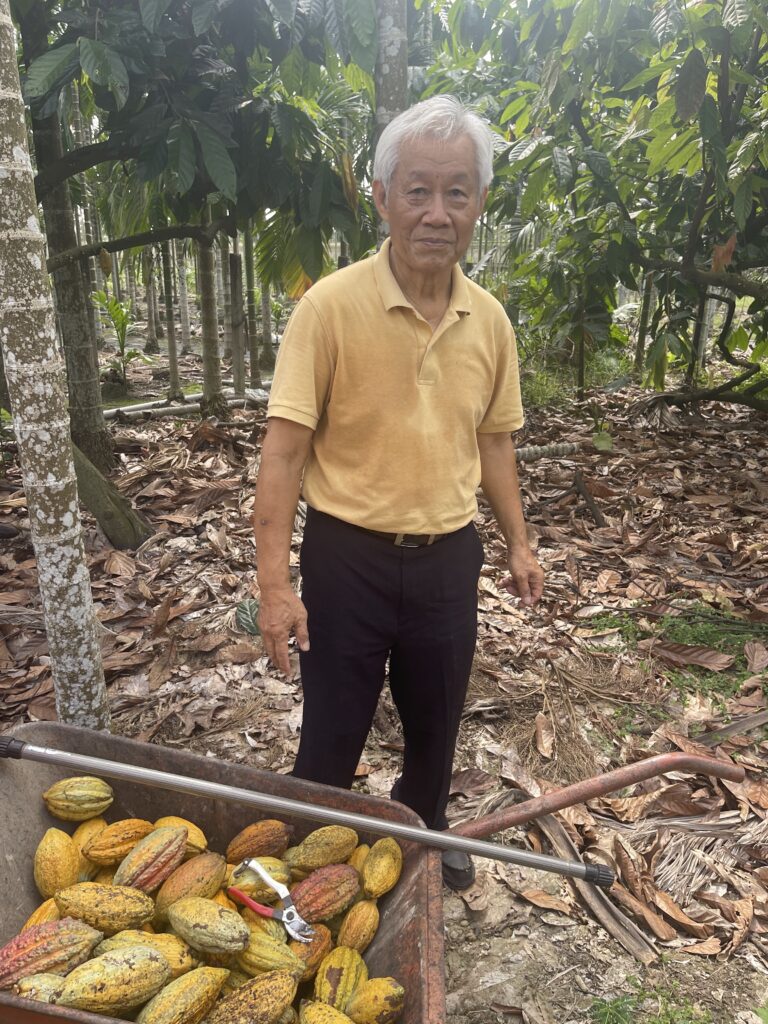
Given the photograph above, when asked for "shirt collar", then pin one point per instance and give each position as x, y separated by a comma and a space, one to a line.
392, 294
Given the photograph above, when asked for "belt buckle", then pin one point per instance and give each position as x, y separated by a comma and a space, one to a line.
401, 542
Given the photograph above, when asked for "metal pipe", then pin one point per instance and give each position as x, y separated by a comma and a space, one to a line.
598, 874
599, 785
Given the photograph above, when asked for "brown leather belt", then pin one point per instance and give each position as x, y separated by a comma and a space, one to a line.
400, 540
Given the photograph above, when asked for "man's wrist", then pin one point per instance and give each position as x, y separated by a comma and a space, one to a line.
272, 584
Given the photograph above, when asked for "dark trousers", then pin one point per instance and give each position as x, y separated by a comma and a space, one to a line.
368, 601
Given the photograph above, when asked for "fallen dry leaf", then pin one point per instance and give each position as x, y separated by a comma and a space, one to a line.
710, 947
756, 655
546, 900
545, 735
687, 654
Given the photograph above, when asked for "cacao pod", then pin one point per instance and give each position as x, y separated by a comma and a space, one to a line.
321, 1013
223, 900
274, 929
264, 954
235, 980
196, 841
110, 908
116, 841
313, 953
359, 926
338, 976
207, 927
84, 832
289, 1017
117, 981
382, 868
104, 876
185, 1000
45, 988
262, 1000
253, 885
358, 856
201, 876
331, 844
56, 863
47, 911
55, 947
78, 798
152, 859
378, 1001
268, 838
327, 892
174, 949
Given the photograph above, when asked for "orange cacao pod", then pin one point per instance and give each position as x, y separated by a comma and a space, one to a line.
268, 838
152, 859
201, 876
55, 947
116, 841
327, 892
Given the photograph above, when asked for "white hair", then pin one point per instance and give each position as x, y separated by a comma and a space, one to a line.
440, 117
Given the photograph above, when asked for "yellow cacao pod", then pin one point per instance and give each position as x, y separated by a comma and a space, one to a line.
196, 841
45, 988
78, 798
174, 949
207, 927
54, 947
332, 844
187, 999
313, 953
359, 926
117, 981
235, 980
223, 900
47, 911
274, 929
152, 859
104, 876
84, 832
321, 1013
265, 954
342, 971
56, 863
116, 841
252, 885
358, 856
268, 838
377, 1001
289, 1017
201, 876
382, 868
262, 1000
110, 908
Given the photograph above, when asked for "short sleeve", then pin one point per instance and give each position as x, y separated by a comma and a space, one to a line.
304, 369
505, 409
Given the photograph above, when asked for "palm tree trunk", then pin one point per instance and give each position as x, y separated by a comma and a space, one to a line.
5, 400
391, 72
250, 288
174, 386
642, 327
238, 322
27, 326
151, 347
267, 354
181, 270
130, 277
227, 293
212, 403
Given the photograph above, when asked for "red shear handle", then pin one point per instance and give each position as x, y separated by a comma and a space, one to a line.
259, 908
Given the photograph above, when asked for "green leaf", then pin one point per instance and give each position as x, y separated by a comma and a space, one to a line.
649, 74
668, 22
105, 67
523, 149
181, 157
246, 616
361, 18
602, 441
709, 119
598, 163
217, 160
742, 203
152, 12
563, 167
320, 195
691, 85
735, 13
203, 14
50, 70
584, 17
762, 1013
283, 10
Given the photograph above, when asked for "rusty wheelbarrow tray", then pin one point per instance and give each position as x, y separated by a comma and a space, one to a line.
409, 944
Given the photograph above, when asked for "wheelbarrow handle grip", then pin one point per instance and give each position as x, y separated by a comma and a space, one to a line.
600, 874
11, 747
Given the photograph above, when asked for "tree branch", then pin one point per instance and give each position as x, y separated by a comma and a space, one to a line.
200, 234
709, 278
82, 159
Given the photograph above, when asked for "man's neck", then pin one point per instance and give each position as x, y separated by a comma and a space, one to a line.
429, 294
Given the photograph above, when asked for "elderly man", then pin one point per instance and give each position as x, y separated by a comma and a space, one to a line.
394, 397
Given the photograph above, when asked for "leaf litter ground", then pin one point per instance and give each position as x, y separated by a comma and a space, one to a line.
652, 637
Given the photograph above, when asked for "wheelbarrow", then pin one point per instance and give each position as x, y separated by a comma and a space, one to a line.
151, 781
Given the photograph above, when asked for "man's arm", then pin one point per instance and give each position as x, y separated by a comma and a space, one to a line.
501, 487
283, 455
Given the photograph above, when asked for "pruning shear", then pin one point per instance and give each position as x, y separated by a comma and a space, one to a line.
287, 913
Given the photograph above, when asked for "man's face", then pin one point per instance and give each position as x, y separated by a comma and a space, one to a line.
432, 205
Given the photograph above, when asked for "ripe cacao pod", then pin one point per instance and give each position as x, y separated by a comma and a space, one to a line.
338, 976
327, 892
117, 981
359, 926
84, 832
358, 856
78, 798
185, 1000
45, 988
262, 1000
321, 1013
332, 844
47, 911
313, 953
274, 929
264, 954
382, 868
174, 949
207, 927
116, 841
268, 838
110, 908
152, 859
201, 876
223, 900
55, 947
254, 886
196, 841
377, 1001
56, 864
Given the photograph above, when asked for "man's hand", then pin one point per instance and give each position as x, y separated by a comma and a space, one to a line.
282, 612
527, 577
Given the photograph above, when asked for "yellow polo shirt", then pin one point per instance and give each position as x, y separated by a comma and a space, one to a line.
395, 406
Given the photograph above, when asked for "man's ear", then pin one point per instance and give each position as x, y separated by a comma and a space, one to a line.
380, 199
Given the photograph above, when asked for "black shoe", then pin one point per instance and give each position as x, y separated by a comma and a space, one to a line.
458, 870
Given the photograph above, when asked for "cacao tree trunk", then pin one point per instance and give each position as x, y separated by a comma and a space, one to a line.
5, 401
642, 327
37, 387
174, 385
213, 402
